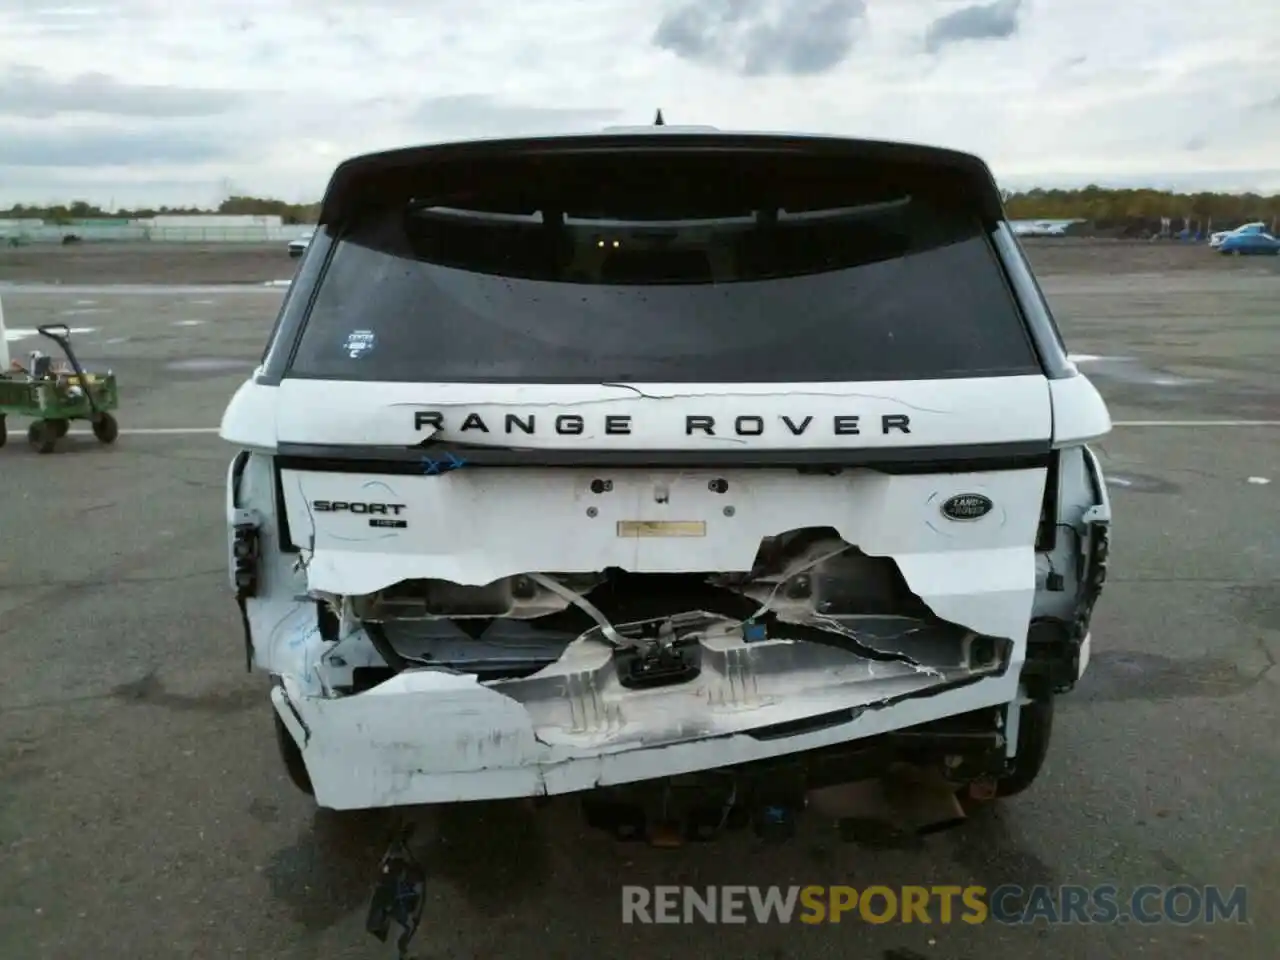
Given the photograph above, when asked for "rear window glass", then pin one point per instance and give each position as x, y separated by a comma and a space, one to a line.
668, 269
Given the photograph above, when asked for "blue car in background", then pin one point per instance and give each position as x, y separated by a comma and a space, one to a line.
1215, 239
1250, 243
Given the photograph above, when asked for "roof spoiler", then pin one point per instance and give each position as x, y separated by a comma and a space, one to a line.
374, 180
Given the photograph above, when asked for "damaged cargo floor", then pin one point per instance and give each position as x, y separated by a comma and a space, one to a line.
144, 812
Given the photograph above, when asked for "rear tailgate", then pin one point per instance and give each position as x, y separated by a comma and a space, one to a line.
606, 352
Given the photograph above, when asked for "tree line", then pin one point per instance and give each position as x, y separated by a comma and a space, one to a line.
66, 213
1100, 205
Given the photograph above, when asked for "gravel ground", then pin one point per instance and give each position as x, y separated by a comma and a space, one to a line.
144, 813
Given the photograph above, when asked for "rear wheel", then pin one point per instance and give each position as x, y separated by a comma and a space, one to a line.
4, 431
60, 427
294, 765
105, 428
1035, 729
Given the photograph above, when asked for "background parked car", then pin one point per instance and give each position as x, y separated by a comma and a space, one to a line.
299, 246
1239, 244
1216, 238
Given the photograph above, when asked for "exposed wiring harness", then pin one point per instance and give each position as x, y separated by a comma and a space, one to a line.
583, 604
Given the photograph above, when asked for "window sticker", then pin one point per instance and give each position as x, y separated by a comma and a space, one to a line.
359, 342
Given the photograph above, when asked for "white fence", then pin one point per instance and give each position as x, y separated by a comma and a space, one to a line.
12, 234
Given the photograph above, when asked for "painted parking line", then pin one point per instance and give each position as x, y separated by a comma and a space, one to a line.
1129, 424
28, 333
1196, 423
154, 431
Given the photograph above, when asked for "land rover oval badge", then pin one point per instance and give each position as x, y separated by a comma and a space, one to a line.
967, 506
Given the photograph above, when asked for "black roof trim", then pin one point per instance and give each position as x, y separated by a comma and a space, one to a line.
360, 179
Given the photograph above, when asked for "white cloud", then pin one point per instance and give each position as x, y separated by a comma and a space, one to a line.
145, 101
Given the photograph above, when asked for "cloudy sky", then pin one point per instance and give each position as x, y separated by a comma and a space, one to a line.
148, 101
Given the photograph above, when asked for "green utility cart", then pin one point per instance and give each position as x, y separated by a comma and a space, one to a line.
53, 399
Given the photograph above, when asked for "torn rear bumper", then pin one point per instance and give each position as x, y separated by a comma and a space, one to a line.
433, 736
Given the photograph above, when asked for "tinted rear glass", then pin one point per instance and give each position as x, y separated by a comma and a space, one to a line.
669, 269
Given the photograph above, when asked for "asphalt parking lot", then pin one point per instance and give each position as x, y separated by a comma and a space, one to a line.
144, 813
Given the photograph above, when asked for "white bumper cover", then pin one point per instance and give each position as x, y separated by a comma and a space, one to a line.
428, 736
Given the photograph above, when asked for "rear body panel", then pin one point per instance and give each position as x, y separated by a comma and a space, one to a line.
549, 519
492, 581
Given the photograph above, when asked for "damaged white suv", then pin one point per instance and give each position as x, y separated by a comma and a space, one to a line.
665, 462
